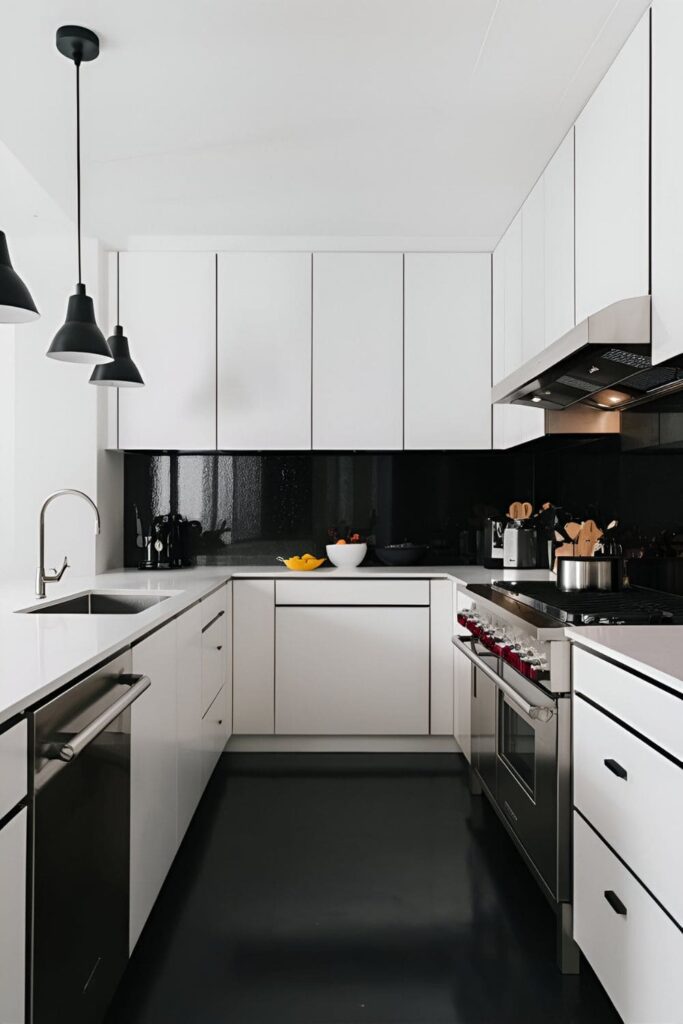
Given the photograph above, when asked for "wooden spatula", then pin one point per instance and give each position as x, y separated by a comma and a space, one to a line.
516, 509
527, 509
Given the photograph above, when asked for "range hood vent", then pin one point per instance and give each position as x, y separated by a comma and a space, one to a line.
604, 362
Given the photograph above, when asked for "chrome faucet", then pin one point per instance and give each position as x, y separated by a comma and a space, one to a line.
55, 576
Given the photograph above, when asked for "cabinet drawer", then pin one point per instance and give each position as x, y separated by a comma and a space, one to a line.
214, 661
213, 608
632, 811
637, 955
646, 707
213, 734
13, 766
349, 592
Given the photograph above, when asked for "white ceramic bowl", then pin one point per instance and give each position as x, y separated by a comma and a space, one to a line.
346, 556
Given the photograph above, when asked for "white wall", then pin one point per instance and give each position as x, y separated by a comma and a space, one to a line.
51, 419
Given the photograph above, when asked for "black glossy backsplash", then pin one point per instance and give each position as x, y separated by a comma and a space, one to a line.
255, 507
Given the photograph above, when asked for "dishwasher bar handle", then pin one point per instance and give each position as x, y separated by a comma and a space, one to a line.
68, 751
531, 710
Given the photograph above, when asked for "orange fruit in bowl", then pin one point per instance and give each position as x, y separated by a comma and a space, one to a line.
341, 541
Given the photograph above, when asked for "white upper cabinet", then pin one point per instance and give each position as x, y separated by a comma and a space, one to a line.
264, 351
612, 182
533, 272
667, 175
168, 311
447, 350
512, 285
357, 351
558, 242
512, 425
498, 312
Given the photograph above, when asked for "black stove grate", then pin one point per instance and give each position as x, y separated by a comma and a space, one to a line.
635, 605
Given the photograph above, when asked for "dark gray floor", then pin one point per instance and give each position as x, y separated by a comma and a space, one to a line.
335, 890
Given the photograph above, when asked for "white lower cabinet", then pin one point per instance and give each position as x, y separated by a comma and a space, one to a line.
214, 733
352, 671
633, 946
628, 790
13, 920
462, 703
253, 657
154, 785
441, 658
190, 711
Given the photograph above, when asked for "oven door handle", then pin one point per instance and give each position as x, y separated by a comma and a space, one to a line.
533, 711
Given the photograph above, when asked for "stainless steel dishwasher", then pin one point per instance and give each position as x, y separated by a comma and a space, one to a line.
80, 855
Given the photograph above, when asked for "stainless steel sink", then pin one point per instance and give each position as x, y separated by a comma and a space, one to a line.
99, 602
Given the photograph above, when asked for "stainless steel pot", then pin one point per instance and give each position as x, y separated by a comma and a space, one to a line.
590, 573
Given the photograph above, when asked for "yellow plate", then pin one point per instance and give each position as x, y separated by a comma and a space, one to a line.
298, 564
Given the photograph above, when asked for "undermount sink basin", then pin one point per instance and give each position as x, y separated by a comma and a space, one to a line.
99, 602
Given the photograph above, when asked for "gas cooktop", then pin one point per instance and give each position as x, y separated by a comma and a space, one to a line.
633, 606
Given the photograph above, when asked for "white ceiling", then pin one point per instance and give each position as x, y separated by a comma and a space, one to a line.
303, 117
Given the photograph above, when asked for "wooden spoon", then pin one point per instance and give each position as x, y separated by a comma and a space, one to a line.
516, 510
588, 538
527, 509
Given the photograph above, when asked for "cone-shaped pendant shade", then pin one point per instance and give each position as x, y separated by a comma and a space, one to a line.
16, 304
122, 373
80, 340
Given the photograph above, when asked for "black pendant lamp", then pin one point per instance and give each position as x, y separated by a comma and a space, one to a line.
122, 373
80, 340
16, 304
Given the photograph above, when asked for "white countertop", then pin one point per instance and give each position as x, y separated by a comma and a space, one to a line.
39, 653
656, 651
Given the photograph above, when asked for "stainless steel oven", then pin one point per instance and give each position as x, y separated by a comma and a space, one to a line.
521, 747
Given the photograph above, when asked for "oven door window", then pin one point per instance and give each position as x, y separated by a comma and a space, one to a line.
517, 746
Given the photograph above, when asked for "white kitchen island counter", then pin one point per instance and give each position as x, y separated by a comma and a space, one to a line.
40, 653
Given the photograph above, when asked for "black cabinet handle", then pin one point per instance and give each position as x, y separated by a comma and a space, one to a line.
214, 619
616, 768
615, 903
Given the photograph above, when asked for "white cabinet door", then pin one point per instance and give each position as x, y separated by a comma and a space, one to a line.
447, 350
612, 181
264, 351
635, 949
357, 351
154, 765
189, 680
168, 311
498, 312
352, 671
213, 733
512, 316
512, 425
533, 272
253, 692
13, 920
516, 424
441, 658
667, 174
558, 248
462, 702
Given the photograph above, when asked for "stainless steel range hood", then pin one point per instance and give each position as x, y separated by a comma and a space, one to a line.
603, 362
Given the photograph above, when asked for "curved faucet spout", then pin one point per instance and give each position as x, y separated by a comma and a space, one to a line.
41, 576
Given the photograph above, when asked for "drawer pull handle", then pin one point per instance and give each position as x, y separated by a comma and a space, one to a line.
615, 903
616, 768
214, 619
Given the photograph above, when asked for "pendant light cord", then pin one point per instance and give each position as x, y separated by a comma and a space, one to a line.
77, 62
